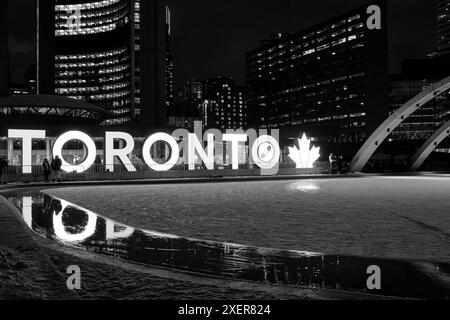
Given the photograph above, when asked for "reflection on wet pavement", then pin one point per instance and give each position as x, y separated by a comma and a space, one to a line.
71, 225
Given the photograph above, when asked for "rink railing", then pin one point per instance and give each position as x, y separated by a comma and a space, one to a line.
120, 172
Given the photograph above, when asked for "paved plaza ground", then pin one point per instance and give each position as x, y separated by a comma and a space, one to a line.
398, 217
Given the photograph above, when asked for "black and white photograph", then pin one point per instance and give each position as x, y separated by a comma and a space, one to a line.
224, 157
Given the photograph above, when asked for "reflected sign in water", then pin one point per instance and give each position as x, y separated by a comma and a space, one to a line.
71, 225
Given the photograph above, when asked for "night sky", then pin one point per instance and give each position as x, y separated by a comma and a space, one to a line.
211, 37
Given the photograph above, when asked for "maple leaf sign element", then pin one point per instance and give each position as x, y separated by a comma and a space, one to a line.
304, 157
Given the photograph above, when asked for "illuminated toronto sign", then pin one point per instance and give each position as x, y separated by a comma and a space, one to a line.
206, 149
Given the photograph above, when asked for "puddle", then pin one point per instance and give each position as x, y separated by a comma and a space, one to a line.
71, 225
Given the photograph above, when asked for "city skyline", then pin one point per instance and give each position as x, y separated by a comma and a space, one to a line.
210, 39
228, 42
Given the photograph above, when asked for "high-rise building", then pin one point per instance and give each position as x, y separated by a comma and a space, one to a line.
170, 85
188, 107
218, 103
4, 49
20, 89
33, 70
113, 53
192, 91
45, 47
443, 27
224, 105
189, 100
415, 77
34, 74
424, 122
330, 80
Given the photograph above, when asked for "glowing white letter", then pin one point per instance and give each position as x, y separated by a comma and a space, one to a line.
266, 152
27, 137
90, 146
235, 139
122, 154
194, 146
148, 157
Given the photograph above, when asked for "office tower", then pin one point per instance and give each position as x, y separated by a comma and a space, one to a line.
443, 27
170, 86
45, 47
192, 91
415, 77
224, 105
329, 81
31, 71
112, 53
190, 98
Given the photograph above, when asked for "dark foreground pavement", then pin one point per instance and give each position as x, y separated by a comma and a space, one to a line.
26, 271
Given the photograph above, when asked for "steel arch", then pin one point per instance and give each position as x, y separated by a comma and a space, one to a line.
388, 126
425, 151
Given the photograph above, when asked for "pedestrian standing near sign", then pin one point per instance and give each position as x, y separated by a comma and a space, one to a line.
56, 167
333, 161
3, 165
47, 169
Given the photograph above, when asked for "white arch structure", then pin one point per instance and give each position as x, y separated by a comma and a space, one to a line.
429, 146
388, 126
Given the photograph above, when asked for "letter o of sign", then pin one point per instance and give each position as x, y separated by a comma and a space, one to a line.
269, 141
90, 146
148, 157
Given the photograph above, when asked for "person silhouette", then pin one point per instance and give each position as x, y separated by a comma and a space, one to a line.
333, 161
56, 167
